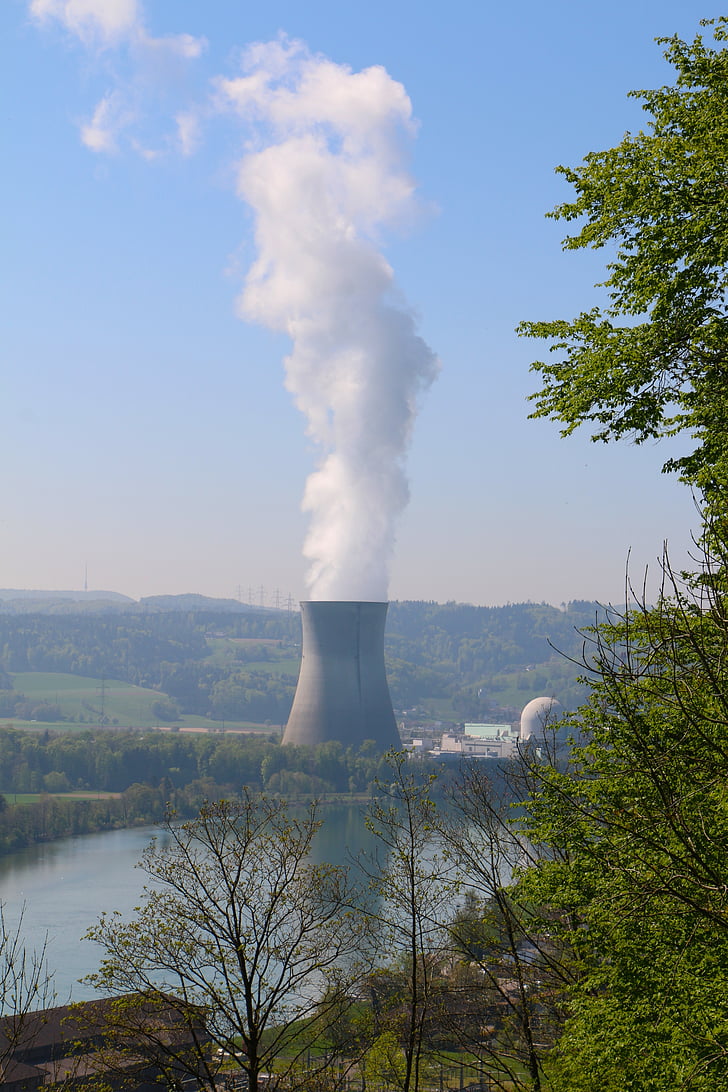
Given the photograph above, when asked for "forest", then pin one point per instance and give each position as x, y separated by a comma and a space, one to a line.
461, 661
75, 783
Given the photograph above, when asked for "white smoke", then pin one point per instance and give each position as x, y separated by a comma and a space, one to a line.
329, 176
324, 172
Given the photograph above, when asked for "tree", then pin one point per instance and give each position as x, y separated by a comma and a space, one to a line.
634, 878
26, 984
508, 973
241, 935
165, 710
385, 1063
652, 362
412, 885
635, 827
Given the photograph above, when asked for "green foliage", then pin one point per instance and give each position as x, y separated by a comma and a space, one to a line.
385, 1063
467, 662
506, 972
111, 760
253, 695
632, 887
482, 640
165, 710
105, 646
151, 770
635, 884
488, 661
651, 363
45, 817
453, 662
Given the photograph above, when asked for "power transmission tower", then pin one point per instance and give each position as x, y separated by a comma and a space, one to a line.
103, 698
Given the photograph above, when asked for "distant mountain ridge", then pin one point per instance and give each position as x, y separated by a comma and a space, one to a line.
24, 601
192, 601
21, 601
80, 596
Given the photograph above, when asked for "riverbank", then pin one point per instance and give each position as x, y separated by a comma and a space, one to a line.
30, 819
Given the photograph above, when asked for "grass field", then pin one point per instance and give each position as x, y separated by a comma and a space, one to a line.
123, 705
33, 797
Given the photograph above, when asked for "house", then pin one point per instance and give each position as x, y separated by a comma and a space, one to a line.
119, 1039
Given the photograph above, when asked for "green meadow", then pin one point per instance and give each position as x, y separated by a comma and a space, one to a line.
84, 701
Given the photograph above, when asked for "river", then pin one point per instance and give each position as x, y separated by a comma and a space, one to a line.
62, 888
65, 886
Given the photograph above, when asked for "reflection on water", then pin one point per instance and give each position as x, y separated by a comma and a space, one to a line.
342, 836
66, 885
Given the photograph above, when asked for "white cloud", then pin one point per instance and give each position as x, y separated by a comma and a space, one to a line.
110, 117
95, 22
153, 67
184, 46
188, 132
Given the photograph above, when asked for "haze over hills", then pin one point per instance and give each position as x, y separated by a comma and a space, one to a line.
231, 661
42, 600
80, 596
22, 601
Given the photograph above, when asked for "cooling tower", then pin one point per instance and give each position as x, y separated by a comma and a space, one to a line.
342, 690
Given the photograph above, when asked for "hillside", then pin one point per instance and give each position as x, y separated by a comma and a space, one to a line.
451, 661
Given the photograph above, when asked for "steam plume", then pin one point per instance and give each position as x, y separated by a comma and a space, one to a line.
324, 173
329, 176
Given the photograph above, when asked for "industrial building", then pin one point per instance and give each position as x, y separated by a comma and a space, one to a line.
503, 740
342, 692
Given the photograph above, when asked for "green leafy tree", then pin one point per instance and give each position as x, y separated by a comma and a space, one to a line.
165, 710
651, 362
634, 878
385, 1064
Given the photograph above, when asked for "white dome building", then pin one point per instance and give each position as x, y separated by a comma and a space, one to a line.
537, 720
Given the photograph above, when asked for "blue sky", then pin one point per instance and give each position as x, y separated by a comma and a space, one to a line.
147, 430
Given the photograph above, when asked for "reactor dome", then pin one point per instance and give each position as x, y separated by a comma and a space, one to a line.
538, 716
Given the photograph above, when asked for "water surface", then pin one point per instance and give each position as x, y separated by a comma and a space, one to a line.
66, 885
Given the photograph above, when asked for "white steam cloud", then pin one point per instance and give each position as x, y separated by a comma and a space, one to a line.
329, 176
325, 173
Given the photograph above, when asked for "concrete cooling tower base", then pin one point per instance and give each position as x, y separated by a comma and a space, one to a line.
342, 690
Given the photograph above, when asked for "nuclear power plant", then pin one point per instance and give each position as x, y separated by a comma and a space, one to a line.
342, 691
